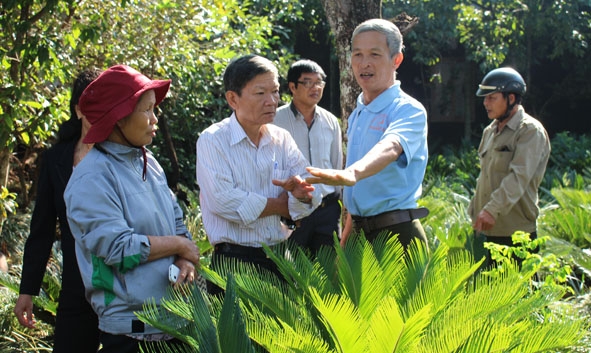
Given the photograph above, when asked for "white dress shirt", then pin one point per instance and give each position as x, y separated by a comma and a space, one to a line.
321, 143
234, 176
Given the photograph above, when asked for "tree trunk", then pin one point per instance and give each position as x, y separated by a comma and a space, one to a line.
174, 176
343, 16
4, 165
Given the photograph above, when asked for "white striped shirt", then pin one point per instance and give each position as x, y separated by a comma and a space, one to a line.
234, 177
321, 143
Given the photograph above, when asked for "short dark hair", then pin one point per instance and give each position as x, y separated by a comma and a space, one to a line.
303, 66
243, 69
71, 129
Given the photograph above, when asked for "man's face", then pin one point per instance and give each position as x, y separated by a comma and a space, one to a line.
495, 105
307, 96
258, 102
372, 65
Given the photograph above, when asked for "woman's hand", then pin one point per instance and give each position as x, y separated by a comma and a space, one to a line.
24, 310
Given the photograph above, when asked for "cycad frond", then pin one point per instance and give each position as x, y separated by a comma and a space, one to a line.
338, 313
481, 340
390, 332
277, 336
300, 272
550, 337
231, 323
367, 271
186, 314
259, 287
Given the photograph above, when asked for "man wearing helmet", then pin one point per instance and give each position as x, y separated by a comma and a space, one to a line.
513, 153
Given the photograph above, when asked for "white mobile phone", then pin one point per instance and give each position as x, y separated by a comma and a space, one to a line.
173, 273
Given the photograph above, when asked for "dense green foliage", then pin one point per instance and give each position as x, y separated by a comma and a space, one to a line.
189, 42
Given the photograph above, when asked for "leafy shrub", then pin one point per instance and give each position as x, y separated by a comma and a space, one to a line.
569, 219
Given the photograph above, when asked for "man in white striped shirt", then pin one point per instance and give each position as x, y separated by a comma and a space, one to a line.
317, 133
248, 170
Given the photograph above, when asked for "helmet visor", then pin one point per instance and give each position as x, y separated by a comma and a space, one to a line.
489, 88
485, 90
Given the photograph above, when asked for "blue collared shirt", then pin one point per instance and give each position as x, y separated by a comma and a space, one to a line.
398, 186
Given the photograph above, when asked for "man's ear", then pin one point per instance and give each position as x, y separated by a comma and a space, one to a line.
398, 60
510, 97
232, 99
292, 87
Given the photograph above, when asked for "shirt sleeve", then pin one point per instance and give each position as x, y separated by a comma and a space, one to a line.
408, 126
42, 233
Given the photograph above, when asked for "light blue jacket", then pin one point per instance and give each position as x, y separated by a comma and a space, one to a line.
111, 211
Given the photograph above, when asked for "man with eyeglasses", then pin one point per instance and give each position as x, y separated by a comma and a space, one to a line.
317, 133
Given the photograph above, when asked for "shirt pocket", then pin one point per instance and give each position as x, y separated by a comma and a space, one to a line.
279, 174
502, 157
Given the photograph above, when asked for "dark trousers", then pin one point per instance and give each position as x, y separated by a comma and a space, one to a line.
318, 228
407, 231
124, 344
76, 325
255, 256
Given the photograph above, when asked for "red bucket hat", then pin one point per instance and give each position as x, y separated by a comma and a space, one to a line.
112, 96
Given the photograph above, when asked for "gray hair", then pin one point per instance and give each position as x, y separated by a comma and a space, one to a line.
387, 28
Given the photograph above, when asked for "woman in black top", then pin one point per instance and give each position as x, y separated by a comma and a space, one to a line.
76, 328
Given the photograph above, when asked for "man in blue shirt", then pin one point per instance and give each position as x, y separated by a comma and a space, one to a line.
387, 149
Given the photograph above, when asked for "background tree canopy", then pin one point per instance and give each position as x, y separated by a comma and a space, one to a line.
43, 44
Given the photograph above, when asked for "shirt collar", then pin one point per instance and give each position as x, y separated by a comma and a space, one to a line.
513, 122
114, 148
383, 100
297, 114
238, 134
294, 110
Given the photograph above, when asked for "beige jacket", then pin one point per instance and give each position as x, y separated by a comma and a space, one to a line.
512, 166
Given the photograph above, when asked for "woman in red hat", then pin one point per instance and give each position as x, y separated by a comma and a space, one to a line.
126, 222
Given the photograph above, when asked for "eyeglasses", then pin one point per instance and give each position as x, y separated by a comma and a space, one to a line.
310, 84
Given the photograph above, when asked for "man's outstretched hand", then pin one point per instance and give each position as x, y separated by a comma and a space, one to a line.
344, 177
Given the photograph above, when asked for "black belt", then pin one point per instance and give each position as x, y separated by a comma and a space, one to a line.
387, 219
235, 249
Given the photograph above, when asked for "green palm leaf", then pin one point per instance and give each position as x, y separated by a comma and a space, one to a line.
341, 318
231, 324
